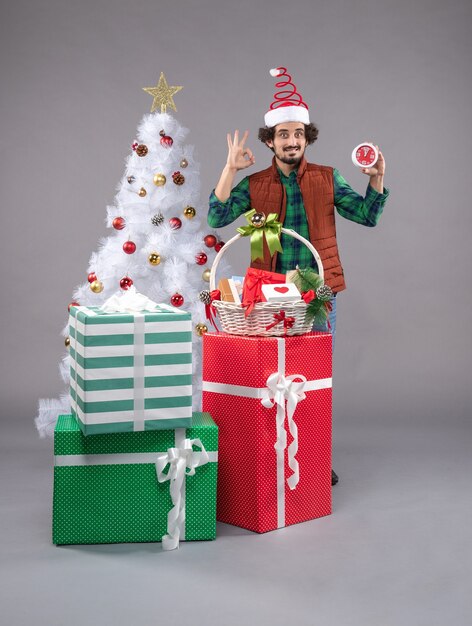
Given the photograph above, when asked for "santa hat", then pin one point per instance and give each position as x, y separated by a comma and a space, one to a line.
288, 105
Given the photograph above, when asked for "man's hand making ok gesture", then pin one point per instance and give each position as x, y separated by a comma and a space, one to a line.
239, 157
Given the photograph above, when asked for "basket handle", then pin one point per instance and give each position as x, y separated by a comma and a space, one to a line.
287, 231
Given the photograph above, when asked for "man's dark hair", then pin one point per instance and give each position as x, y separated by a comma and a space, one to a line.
268, 134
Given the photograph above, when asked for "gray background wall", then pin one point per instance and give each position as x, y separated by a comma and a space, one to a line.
396, 72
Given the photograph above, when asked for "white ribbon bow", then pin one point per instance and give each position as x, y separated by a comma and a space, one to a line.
279, 389
182, 462
130, 301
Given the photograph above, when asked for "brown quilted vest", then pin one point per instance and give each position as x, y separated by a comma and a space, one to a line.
316, 185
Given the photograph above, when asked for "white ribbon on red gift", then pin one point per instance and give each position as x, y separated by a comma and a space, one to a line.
283, 391
182, 462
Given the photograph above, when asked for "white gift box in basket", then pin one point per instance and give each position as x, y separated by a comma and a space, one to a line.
232, 314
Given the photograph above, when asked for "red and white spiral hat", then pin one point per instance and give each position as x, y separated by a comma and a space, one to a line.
288, 105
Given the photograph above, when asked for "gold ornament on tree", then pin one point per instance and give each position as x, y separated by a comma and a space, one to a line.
96, 286
159, 180
201, 329
162, 94
206, 275
67, 342
142, 192
183, 163
154, 258
189, 212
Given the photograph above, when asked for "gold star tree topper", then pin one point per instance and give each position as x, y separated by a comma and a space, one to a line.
162, 94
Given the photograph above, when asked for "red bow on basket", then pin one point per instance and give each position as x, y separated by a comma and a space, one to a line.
281, 317
210, 310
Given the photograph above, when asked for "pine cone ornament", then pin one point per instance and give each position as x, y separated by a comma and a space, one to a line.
324, 293
141, 150
205, 297
178, 178
157, 219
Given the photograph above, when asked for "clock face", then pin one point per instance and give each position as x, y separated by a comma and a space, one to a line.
365, 156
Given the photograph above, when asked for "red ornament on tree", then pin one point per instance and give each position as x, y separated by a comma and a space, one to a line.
201, 258
210, 241
134, 145
177, 300
219, 245
126, 282
72, 304
129, 247
91, 277
175, 223
118, 223
166, 141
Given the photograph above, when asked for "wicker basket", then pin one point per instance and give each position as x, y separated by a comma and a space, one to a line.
232, 315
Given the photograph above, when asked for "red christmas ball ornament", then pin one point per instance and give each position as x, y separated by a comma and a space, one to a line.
126, 282
166, 140
134, 145
175, 223
210, 241
129, 247
118, 223
91, 277
177, 300
219, 245
201, 258
72, 304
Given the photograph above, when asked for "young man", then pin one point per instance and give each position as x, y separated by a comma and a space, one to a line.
303, 195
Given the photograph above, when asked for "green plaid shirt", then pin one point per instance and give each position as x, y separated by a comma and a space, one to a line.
348, 203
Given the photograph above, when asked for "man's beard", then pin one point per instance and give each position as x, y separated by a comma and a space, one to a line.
282, 156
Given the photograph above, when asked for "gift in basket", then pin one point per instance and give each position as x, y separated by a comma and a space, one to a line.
276, 316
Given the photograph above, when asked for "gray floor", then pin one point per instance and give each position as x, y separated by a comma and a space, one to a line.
397, 550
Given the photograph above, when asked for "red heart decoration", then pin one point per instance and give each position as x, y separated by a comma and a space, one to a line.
281, 289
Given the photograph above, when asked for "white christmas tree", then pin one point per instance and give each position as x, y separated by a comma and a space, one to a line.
157, 243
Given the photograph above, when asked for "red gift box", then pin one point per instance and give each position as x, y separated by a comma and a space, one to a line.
252, 286
271, 400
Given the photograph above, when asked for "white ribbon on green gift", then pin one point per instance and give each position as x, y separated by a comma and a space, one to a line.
182, 461
283, 391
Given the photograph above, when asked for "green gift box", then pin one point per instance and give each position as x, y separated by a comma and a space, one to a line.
130, 371
135, 487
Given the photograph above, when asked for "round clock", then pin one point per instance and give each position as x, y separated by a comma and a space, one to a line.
365, 155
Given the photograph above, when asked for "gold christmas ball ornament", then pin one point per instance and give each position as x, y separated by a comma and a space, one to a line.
189, 212
154, 258
142, 192
201, 329
258, 220
67, 342
96, 286
183, 163
159, 180
206, 275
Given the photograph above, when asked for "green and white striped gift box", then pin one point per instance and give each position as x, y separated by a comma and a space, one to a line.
130, 371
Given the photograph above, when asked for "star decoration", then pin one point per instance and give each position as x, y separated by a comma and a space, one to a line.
162, 94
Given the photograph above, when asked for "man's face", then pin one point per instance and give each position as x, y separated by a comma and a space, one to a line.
289, 142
